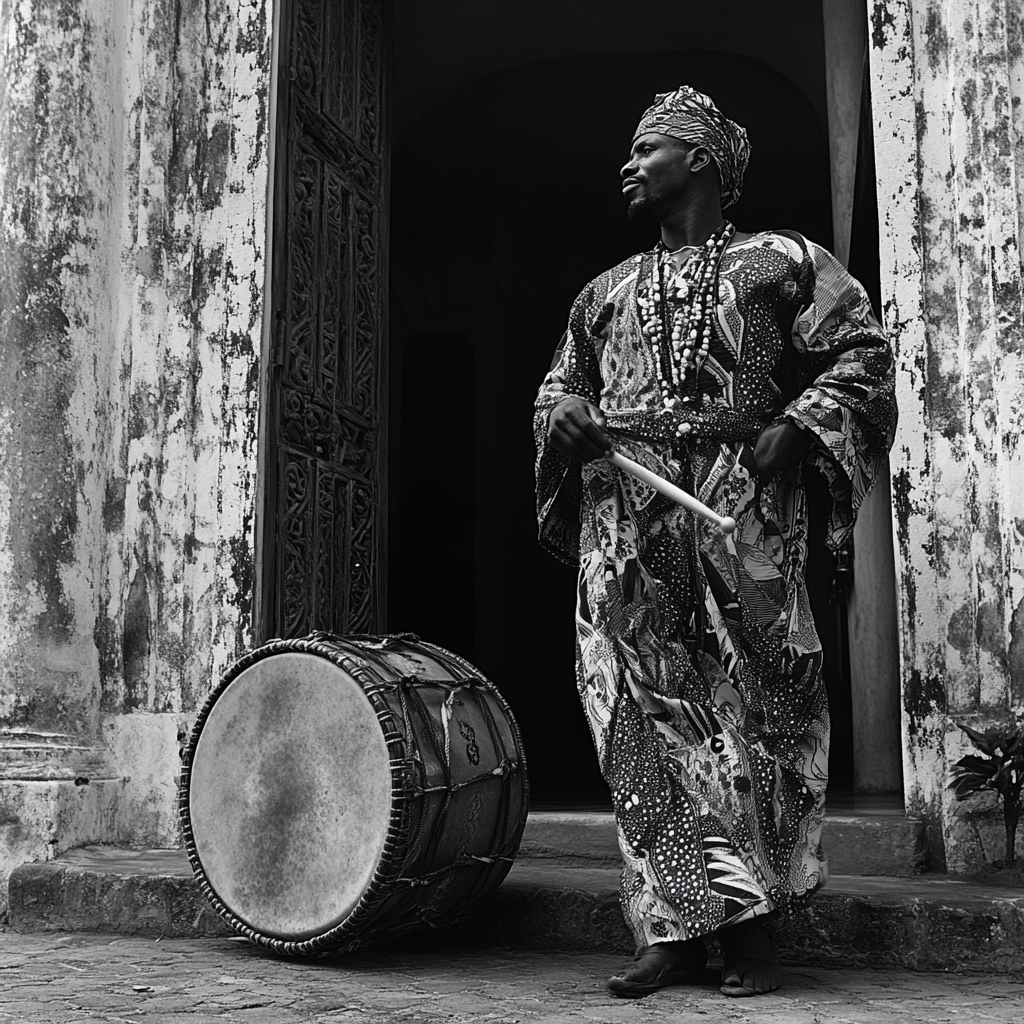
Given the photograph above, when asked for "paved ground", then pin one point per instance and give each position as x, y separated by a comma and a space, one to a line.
58, 978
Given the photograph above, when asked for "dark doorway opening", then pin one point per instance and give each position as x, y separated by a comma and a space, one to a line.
505, 203
433, 514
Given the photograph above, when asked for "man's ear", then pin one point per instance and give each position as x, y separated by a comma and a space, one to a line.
700, 157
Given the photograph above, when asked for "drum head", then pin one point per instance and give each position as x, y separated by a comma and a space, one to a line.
290, 795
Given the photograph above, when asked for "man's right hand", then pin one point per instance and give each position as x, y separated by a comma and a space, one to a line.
576, 429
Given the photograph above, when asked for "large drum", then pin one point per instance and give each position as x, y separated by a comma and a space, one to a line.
337, 791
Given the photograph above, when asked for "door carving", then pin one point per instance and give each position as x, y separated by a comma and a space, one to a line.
325, 493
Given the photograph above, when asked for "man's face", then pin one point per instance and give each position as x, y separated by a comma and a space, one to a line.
656, 176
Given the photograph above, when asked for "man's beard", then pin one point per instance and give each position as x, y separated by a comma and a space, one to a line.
643, 208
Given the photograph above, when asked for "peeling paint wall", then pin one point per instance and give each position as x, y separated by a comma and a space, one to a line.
947, 84
133, 198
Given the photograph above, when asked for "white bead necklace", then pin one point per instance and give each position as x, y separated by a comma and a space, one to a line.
695, 286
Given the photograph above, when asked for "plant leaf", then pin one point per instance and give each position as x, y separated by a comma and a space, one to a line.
964, 785
982, 765
971, 774
980, 740
1015, 746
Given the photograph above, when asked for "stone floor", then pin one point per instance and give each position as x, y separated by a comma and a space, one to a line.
60, 978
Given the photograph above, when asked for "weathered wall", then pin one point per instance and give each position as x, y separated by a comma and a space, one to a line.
133, 190
948, 80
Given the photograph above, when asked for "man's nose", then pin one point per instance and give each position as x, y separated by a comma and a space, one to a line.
628, 168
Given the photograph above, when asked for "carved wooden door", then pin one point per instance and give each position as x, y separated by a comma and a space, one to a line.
324, 467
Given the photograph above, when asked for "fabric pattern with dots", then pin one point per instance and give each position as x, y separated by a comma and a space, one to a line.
698, 663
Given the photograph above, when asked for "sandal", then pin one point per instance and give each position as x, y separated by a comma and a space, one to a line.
660, 965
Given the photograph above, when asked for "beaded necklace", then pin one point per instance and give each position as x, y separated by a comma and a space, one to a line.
695, 287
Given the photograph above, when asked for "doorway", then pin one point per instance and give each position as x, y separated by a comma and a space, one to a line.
505, 203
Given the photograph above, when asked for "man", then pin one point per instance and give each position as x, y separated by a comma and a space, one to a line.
724, 362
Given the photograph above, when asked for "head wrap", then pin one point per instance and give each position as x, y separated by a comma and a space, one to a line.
691, 116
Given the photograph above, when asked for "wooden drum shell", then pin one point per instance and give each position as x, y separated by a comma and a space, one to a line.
458, 789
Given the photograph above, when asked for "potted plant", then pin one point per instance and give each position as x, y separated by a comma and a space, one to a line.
1001, 769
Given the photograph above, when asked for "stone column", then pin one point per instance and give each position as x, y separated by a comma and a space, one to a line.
948, 81
133, 189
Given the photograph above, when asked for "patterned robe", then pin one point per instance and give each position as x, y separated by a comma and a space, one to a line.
698, 663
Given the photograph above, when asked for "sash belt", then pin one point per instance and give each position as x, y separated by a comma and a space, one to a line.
707, 423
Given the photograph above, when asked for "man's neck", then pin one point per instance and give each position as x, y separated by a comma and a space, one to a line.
691, 225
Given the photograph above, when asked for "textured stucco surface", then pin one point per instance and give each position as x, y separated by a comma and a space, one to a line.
133, 190
948, 79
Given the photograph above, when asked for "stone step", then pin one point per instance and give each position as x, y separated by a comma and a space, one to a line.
856, 844
109, 889
926, 923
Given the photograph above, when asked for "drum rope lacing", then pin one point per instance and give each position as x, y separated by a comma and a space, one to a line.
409, 698
505, 767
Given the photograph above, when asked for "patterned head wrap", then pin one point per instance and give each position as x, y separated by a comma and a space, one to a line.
691, 116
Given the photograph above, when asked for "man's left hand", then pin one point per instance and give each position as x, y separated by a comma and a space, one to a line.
779, 446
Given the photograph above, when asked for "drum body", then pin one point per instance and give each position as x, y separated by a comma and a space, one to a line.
337, 791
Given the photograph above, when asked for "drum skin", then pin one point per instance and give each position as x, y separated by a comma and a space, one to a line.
338, 791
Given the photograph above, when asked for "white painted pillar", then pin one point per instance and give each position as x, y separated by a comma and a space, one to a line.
948, 85
133, 190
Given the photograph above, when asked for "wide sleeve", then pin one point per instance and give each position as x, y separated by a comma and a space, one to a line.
847, 375
575, 370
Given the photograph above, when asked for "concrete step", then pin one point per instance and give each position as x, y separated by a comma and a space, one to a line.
109, 889
926, 923
856, 844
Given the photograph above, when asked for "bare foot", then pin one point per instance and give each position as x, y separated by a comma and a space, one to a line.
664, 963
751, 963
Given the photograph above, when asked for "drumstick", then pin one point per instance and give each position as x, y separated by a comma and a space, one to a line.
725, 523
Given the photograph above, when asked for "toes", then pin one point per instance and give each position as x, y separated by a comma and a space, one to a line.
641, 973
738, 991
733, 984
748, 983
